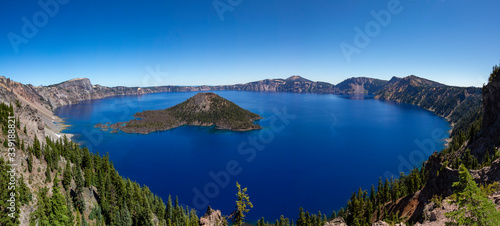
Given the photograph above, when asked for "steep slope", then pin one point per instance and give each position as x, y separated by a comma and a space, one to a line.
203, 109
457, 104
476, 145
59, 183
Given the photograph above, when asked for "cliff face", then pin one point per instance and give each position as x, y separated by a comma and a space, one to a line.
491, 104
489, 136
446, 101
440, 177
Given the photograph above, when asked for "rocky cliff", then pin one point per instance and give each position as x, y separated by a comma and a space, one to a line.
440, 176
457, 104
490, 134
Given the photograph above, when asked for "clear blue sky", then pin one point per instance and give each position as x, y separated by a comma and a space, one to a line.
186, 42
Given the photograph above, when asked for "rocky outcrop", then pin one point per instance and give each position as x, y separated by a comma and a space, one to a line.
77, 85
488, 174
491, 100
489, 136
213, 218
383, 223
339, 221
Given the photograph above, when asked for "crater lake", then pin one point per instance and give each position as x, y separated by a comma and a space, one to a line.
313, 151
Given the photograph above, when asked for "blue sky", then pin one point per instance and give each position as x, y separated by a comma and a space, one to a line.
185, 42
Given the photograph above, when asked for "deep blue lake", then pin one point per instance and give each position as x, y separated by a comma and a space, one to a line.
313, 152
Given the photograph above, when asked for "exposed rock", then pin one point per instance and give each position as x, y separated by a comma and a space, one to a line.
117, 125
213, 218
102, 127
440, 179
489, 136
491, 100
41, 125
77, 85
487, 174
339, 221
383, 223
380, 223
436, 215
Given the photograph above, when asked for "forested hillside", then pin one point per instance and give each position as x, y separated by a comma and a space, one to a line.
68, 185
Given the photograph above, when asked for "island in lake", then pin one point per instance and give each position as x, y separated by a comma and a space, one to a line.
203, 109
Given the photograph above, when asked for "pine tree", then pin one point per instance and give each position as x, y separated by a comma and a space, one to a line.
67, 176
302, 217
59, 212
169, 211
334, 215
47, 174
30, 162
372, 194
260, 222
474, 206
242, 203
37, 147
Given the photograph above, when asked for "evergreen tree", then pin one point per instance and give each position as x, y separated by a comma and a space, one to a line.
47, 174
37, 147
260, 222
67, 176
474, 206
126, 218
59, 212
302, 217
30, 162
169, 211
372, 194
242, 203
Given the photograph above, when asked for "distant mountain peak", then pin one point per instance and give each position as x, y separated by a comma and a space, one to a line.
416, 81
297, 78
77, 83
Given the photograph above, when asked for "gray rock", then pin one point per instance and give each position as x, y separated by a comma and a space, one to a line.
339, 221
213, 218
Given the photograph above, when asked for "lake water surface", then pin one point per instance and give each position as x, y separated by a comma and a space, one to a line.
313, 152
